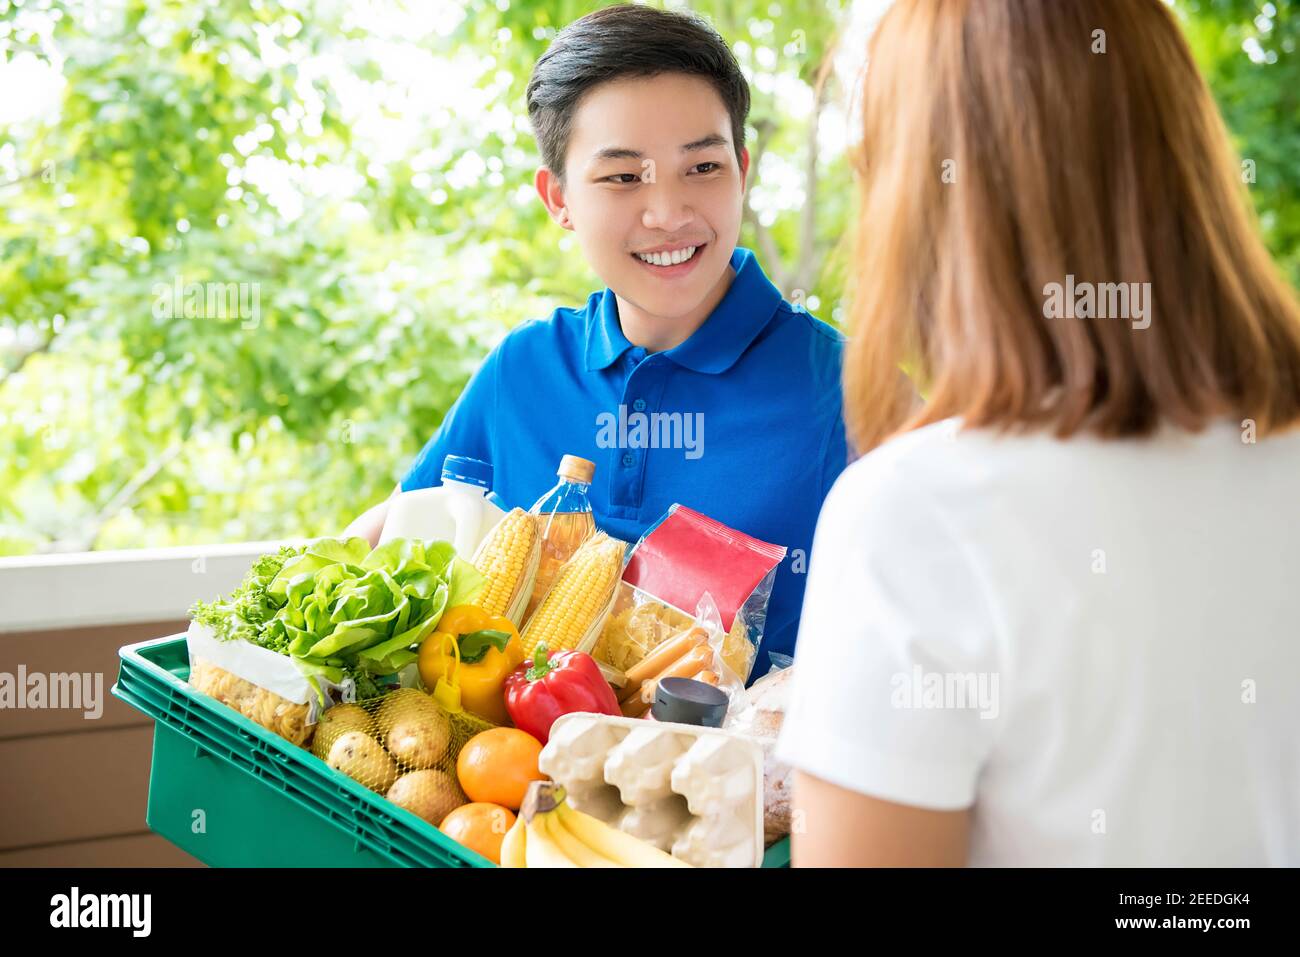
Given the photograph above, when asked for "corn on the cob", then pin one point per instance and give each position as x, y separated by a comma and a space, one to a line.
562, 534
579, 599
508, 558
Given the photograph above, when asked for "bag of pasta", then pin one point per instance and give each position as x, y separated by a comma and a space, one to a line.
701, 650
263, 686
683, 556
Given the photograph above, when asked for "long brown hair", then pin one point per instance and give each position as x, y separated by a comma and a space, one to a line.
1003, 152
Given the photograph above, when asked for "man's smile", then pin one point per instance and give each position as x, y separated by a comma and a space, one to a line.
668, 261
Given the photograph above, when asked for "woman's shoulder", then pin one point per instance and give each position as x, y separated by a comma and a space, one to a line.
963, 471
885, 498
948, 468
895, 466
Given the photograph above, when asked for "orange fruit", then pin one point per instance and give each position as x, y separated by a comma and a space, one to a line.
480, 827
497, 766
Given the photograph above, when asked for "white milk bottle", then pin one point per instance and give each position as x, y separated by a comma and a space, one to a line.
462, 510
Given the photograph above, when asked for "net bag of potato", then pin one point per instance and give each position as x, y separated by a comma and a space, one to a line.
263, 686
403, 745
683, 556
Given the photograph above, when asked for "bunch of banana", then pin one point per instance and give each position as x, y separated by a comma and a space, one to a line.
549, 833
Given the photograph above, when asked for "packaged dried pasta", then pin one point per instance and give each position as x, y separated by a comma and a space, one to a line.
683, 556
639, 623
700, 650
265, 687
289, 720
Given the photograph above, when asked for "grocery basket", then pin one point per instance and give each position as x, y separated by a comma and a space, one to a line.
233, 794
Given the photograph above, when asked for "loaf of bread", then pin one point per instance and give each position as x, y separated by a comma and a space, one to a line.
761, 717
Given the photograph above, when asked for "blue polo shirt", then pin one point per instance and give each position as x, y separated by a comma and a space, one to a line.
759, 426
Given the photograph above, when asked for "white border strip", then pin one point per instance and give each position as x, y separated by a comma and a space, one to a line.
85, 589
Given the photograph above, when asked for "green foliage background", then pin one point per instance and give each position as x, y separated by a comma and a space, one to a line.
124, 426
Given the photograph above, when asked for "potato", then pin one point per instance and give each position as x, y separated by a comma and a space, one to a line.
431, 795
336, 722
403, 703
419, 741
360, 757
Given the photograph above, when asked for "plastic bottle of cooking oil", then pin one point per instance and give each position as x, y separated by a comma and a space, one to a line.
462, 510
565, 521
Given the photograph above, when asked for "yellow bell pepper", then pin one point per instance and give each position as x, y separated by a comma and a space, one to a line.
466, 651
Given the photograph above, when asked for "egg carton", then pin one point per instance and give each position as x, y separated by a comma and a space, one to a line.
696, 793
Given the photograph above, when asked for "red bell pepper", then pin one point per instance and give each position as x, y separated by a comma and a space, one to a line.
554, 684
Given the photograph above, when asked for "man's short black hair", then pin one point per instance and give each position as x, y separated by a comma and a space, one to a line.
627, 40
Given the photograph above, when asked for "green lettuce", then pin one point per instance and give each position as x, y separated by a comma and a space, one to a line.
338, 607
243, 615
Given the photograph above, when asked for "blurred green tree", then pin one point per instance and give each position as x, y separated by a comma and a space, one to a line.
1247, 50
231, 230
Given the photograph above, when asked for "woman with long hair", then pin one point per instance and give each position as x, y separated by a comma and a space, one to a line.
1053, 612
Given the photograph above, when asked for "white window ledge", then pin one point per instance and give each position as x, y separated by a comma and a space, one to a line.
85, 589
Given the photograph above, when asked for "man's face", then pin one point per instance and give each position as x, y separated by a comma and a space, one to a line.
651, 169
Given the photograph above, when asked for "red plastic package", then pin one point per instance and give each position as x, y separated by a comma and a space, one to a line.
680, 558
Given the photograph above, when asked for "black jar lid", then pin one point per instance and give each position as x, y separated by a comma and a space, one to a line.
687, 701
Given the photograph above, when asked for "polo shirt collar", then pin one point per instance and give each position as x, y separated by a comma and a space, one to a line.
605, 340
748, 306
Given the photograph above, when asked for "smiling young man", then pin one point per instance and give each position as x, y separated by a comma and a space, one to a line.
640, 117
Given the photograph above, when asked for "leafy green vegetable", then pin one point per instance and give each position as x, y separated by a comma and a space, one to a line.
338, 607
249, 607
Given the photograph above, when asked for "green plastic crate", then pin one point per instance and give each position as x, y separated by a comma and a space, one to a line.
263, 801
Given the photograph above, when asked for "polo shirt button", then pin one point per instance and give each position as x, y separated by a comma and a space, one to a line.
628, 460
639, 405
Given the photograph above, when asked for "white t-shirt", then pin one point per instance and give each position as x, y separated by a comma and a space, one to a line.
1094, 643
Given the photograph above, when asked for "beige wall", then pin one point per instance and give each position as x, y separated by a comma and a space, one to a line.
73, 791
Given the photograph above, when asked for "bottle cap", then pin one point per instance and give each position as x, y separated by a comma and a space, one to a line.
687, 701
576, 469
459, 468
